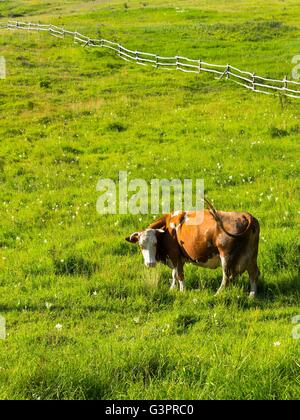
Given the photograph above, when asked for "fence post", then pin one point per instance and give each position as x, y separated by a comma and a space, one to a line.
253, 81
285, 82
177, 62
156, 59
200, 66
227, 71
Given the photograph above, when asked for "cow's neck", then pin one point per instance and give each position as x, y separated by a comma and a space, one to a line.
161, 251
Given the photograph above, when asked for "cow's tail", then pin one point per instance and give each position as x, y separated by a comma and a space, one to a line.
220, 223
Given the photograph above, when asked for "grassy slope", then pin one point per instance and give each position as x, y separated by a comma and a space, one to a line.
60, 106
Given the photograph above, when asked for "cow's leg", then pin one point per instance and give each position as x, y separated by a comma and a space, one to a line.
226, 276
180, 275
181, 285
225, 281
253, 276
174, 279
176, 275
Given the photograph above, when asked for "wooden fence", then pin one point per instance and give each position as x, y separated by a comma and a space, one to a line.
245, 79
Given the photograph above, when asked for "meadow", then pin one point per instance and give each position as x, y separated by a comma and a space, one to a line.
85, 319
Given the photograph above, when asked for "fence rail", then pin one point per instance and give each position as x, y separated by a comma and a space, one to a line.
243, 78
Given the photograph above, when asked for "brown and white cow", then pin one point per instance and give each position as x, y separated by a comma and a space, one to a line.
229, 240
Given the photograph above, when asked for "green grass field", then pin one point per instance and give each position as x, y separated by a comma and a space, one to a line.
72, 115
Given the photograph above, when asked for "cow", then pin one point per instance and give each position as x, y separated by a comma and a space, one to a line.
226, 239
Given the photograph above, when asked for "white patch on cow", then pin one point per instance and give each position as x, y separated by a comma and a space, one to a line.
147, 256
172, 225
185, 219
223, 261
225, 277
181, 285
212, 263
148, 244
174, 278
176, 213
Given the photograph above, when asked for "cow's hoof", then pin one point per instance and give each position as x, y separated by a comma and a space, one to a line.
173, 286
252, 295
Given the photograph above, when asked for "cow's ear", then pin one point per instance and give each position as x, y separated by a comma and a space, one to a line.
133, 239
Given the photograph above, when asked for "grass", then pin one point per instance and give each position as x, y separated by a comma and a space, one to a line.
70, 116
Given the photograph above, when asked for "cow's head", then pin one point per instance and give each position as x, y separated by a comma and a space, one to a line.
147, 241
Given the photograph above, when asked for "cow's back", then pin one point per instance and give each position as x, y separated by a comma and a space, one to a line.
203, 240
